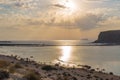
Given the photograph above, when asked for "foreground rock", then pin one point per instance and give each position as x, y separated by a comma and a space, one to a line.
112, 36
24, 69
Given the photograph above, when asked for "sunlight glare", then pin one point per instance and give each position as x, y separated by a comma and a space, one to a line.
66, 53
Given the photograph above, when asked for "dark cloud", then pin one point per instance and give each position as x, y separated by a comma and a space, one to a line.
59, 6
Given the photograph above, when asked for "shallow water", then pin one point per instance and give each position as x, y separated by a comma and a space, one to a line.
103, 57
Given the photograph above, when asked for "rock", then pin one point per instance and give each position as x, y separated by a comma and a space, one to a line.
112, 36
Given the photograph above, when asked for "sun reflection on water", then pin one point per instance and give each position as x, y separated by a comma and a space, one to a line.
66, 53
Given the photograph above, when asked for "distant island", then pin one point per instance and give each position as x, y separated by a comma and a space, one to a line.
110, 37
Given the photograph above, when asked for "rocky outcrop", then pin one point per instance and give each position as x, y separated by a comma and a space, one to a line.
112, 36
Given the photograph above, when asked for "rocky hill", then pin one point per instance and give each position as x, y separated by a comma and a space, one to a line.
112, 36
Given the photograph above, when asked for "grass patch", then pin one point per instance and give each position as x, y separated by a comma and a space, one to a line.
48, 68
17, 65
12, 68
4, 64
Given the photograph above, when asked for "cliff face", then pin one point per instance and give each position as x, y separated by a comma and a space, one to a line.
112, 36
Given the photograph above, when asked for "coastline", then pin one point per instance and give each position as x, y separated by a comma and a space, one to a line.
56, 43
26, 69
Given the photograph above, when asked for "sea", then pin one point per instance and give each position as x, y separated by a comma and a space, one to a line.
78, 52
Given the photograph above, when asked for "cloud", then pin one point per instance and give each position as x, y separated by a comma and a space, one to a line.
55, 18
85, 21
28, 13
59, 5
52, 20
113, 21
88, 21
96, 0
25, 4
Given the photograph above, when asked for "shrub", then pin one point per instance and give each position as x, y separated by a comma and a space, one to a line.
74, 78
31, 76
48, 68
111, 73
3, 75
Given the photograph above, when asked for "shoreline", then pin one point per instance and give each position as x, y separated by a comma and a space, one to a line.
38, 45
24, 69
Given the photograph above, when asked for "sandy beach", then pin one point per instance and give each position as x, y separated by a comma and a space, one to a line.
16, 68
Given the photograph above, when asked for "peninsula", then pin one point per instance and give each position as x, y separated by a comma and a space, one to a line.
110, 37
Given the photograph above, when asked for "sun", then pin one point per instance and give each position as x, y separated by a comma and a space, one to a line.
70, 6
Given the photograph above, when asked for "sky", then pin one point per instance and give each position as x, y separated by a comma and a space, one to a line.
57, 19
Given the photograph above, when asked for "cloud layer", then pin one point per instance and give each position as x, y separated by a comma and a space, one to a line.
23, 15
